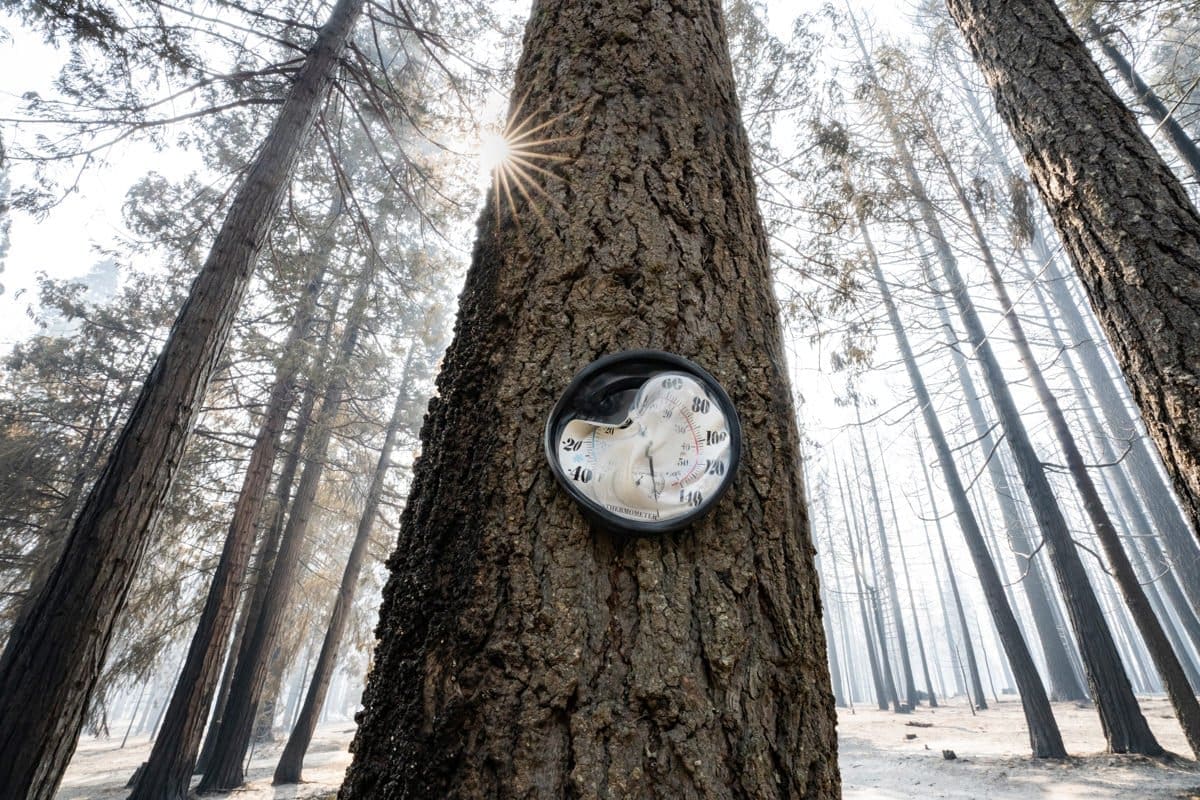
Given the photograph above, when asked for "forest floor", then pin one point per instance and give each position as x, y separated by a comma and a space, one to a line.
878, 762
101, 769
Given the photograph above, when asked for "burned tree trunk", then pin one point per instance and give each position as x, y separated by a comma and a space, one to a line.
522, 652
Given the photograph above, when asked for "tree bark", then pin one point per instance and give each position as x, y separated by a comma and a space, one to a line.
226, 771
52, 661
1122, 215
168, 771
522, 654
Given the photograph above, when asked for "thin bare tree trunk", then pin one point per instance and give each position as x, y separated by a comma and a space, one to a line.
865, 546
254, 664
291, 762
1044, 737
1187, 708
889, 573
881, 698
912, 603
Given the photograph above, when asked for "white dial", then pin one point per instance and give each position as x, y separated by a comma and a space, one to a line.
671, 453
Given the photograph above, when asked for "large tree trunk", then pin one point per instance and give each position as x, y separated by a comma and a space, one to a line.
291, 761
1121, 213
1044, 737
225, 770
168, 772
523, 653
53, 660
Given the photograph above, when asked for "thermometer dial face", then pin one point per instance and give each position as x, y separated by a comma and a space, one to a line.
646, 445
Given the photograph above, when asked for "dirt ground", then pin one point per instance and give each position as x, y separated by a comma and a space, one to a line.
878, 761
101, 768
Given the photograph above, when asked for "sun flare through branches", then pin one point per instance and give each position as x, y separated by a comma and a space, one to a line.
515, 160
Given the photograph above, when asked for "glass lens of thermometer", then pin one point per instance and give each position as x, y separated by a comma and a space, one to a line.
670, 453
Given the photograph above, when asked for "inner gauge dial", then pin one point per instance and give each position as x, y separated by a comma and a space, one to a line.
646, 452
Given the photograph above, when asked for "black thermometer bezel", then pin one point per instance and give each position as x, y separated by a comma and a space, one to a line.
600, 391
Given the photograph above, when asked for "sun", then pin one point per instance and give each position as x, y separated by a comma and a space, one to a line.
512, 161
494, 153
